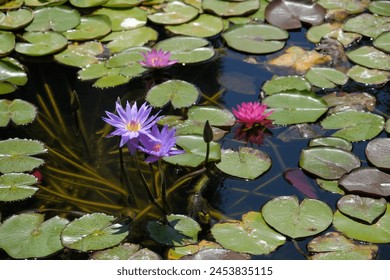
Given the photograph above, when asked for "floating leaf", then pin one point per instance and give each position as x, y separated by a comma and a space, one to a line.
230, 8
326, 77
247, 163
354, 125
256, 237
348, 5
15, 155
57, 18
288, 14
95, 231
380, 8
330, 186
7, 42
297, 178
348, 101
87, 3
124, 19
316, 33
367, 180
331, 142
286, 83
81, 55
383, 41
376, 233
29, 236
122, 3
180, 230
195, 154
370, 57
112, 79
203, 26
17, 186
176, 253
295, 220
215, 116
12, 74
41, 43
378, 151
256, 38
179, 93
387, 126
187, 49
334, 246
368, 25
368, 76
328, 162
216, 254
16, 19
126, 251
295, 107
90, 27
362, 208
175, 12
299, 59
18, 111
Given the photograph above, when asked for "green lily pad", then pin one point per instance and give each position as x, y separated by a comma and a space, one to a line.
335, 246
112, 79
126, 251
378, 232
175, 253
179, 93
316, 33
41, 43
16, 19
15, 155
81, 55
58, 18
256, 38
370, 57
382, 42
367, 180
377, 152
18, 111
87, 3
93, 71
366, 209
187, 49
387, 126
351, 7
175, 12
124, 19
354, 125
380, 8
203, 26
330, 186
326, 77
29, 236
230, 8
368, 25
11, 5
180, 230
246, 163
12, 74
90, 27
295, 220
295, 107
368, 76
215, 116
216, 254
122, 3
17, 186
7, 42
38, 3
255, 236
286, 83
95, 231
195, 154
328, 162
343, 101
331, 142
121, 40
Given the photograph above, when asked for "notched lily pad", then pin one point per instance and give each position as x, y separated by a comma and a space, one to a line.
370, 57
18, 111
294, 219
175, 12
368, 76
368, 25
255, 236
81, 55
286, 83
330, 186
378, 151
126, 251
332, 142
326, 77
41, 43
288, 14
366, 209
367, 180
342, 101
335, 246
17, 186
216, 254
15, 19
230, 8
203, 26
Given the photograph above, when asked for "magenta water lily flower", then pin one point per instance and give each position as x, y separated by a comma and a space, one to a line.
161, 144
157, 59
251, 113
131, 122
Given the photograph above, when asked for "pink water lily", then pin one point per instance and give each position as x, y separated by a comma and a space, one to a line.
157, 59
251, 113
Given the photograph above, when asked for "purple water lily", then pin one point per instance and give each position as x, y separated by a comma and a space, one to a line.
131, 123
161, 144
157, 59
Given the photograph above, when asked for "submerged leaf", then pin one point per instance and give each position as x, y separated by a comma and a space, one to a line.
299, 179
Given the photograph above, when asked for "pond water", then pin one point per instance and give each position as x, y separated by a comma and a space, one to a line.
227, 80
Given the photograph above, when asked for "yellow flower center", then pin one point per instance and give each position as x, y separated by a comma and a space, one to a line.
156, 147
133, 126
